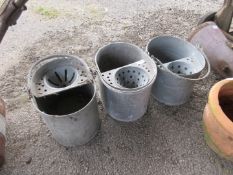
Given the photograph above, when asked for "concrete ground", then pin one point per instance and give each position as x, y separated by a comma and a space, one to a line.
166, 141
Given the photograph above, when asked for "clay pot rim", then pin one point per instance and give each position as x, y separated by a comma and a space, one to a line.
213, 101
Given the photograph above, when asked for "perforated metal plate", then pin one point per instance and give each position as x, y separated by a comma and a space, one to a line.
186, 67
135, 75
57, 73
131, 77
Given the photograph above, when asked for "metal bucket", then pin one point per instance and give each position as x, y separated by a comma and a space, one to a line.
126, 75
63, 92
179, 67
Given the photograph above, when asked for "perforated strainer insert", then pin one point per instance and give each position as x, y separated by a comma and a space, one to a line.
61, 77
131, 77
181, 68
57, 73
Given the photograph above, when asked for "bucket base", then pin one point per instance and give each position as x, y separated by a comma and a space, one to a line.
167, 103
83, 143
125, 121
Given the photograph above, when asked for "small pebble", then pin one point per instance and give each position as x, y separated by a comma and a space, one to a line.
29, 160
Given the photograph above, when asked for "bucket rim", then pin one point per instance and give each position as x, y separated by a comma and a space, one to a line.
168, 36
108, 44
70, 114
191, 45
124, 89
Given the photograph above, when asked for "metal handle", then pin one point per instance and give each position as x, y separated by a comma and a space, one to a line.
191, 79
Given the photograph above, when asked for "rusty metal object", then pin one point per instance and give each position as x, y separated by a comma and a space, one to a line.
10, 11
207, 17
223, 18
2, 132
216, 46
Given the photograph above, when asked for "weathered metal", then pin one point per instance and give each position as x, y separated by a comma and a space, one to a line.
10, 11
63, 91
207, 17
2, 132
216, 46
179, 66
218, 117
223, 18
126, 75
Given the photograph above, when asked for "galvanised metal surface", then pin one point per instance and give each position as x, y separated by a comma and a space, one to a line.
179, 66
126, 76
63, 92
57, 73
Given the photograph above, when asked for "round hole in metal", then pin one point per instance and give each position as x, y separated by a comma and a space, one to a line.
180, 68
130, 79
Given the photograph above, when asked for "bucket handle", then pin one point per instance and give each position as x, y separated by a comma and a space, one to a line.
157, 61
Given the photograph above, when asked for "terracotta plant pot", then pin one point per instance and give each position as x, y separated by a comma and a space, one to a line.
2, 131
218, 117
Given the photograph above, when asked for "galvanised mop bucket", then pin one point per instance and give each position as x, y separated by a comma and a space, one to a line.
179, 67
63, 92
126, 75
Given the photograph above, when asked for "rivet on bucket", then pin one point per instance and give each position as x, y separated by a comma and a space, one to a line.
63, 92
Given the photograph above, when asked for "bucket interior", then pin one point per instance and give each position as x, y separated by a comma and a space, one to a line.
66, 102
181, 68
131, 77
117, 55
226, 99
168, 49
61, 77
